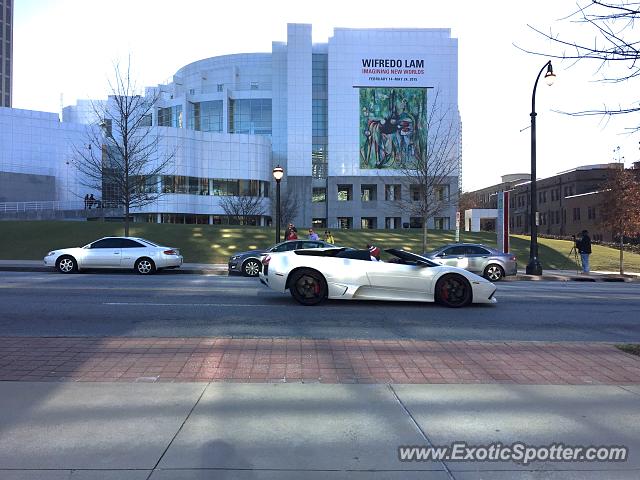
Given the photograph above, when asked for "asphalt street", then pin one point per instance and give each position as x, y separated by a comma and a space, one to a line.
171, 305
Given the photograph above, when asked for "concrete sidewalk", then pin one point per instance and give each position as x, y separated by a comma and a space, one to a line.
51, 431
221, 269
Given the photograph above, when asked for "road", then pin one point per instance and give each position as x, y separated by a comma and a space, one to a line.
171, 305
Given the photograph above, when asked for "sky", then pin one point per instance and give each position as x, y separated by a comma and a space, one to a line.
68, 48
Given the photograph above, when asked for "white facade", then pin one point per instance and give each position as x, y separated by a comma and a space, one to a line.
234, 117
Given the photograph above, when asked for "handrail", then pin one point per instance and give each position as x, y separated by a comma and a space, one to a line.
46, 206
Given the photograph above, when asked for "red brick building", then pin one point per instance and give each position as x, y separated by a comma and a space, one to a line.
568, 202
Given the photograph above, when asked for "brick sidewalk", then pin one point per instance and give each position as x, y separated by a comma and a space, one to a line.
302, 360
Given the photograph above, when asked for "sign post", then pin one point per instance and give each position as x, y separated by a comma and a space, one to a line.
502, 222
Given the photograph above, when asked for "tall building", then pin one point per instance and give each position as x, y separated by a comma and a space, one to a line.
342, 118
6, 54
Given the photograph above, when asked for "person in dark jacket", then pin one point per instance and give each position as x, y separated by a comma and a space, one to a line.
584, 248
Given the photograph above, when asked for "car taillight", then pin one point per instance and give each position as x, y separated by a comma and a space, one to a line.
513, 257
170, 252
266, 260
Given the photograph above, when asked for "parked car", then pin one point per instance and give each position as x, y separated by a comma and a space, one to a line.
144, 256
312, 276
250, 263
488, 262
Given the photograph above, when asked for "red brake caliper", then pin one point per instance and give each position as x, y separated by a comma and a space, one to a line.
316, 288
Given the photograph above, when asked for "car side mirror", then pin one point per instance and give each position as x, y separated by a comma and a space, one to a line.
440, 255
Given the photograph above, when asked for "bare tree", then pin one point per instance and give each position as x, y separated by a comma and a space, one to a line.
122, 159
428, 172
242, 208
620, 206
615, 46
289, 208
467, 201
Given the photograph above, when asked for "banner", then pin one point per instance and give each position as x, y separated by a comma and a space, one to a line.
392, 126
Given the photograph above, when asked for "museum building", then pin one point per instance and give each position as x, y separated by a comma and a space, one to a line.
343, 119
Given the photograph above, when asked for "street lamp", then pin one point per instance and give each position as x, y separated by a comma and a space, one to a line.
278, 173
534, 267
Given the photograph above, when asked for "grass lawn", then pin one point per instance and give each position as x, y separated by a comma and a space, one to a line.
215, 243
632, 348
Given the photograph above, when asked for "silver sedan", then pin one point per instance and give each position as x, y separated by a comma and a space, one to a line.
477, 258
142, 255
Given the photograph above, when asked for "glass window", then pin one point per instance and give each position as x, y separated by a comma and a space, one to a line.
345, 193
473, 250
203, 186
457, 251
194, 186
368, 222
180, 184
392, 192
368, 193
441, 223
310, 245
251, 116
318, 223
127, 243
391, 223
415, 222
441, 193
106, 243
345, 223
170, 116
416, 192
319, 195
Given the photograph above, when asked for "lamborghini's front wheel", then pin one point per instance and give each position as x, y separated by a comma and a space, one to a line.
308, 286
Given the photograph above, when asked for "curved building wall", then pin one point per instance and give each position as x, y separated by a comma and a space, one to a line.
211, 158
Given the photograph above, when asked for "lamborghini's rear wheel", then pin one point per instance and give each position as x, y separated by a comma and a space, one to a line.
453, 290
308, 286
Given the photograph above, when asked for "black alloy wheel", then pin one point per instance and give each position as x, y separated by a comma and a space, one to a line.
308, 287
453, 290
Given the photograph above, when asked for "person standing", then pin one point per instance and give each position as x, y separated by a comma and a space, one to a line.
291, 233
313, 235
91, 201
86, 201
584, 248
328, 237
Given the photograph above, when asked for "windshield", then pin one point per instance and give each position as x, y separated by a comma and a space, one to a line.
412, 257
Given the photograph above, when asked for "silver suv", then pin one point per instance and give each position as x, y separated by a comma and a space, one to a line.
488, 262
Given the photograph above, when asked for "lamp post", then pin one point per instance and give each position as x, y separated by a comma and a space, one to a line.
534, 267
278, 173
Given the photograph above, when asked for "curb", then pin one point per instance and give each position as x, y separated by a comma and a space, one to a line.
567, 278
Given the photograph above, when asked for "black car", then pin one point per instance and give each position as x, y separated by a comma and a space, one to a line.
249, 263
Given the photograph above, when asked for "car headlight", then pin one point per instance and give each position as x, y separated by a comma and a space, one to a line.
235, 257
53, 252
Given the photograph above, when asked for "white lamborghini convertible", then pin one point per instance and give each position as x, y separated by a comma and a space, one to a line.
317, 274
